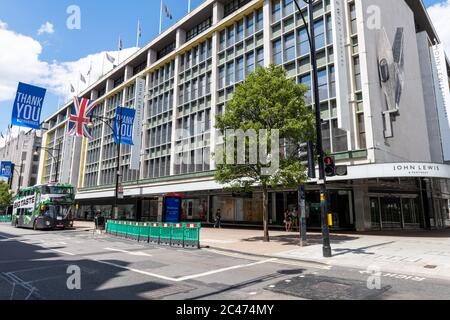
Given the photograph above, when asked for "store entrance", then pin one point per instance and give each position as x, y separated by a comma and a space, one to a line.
395, 212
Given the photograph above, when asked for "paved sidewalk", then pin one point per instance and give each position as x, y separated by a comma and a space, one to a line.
421, 253
84, 225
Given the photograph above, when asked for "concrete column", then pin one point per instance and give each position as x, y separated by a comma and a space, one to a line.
160, 209
151, 57
214, 96
145, 125
218, 12
175, 114
102, 143
362, 207
274, 206
128, 73
94, 95
180, 38
267, 12
109, 85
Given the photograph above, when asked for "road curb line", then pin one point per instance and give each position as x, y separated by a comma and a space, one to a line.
321, 264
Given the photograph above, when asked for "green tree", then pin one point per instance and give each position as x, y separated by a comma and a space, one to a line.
267, 100
5, 195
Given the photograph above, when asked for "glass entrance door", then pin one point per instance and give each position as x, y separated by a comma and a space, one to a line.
375, 213
391, 213
395, 212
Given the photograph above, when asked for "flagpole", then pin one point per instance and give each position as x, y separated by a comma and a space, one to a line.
138, 33
103, 65
118, 54
189, 6
78, 85
160, 18
90, 71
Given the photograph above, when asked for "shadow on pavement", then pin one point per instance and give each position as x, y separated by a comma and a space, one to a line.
312, 239
32, 272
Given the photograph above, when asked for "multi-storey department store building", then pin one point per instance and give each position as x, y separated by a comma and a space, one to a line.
20, 151
379, 100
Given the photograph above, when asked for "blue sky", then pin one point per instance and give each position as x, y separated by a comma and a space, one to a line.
102, 23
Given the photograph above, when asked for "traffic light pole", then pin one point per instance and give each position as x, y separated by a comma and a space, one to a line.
319, 146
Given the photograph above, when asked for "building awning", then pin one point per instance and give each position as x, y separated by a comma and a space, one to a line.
370, 171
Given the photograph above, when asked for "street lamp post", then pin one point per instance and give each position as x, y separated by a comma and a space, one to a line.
118, 173
19, 182
58, 158
319, 146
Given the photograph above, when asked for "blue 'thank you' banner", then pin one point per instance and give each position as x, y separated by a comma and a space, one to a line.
6, 169
123, 126
28, 106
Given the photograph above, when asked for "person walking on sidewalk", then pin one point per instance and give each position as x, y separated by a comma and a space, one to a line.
288, 220
218, 219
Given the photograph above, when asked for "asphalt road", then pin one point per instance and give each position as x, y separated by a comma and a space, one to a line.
38, 265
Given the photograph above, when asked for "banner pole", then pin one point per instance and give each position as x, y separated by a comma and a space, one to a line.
160, 18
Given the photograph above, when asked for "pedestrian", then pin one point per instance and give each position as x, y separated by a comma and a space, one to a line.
218, 219
288, 220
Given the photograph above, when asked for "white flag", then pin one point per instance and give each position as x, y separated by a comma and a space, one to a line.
110, 59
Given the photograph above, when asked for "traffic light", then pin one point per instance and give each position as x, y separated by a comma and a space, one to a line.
307, 158
330, 167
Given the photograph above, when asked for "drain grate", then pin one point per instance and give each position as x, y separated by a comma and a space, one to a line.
325, 288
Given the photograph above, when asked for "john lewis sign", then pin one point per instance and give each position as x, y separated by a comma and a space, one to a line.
442, 93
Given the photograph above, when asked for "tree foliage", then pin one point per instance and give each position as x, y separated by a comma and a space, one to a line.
5, 195
267, 100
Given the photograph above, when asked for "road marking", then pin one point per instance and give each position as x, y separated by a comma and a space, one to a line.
195, 276
15, 280
154, 275
60, 251
140, 254
278, 260
242, 266
396, 276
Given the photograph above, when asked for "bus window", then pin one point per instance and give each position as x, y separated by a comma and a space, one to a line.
56, 190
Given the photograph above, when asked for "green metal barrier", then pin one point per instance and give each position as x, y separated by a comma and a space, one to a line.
155, 233
192, 235
133, 231
183, 235
129, 229
111, 227
122, 229
165, 234
144, 232
5, 218
177, 235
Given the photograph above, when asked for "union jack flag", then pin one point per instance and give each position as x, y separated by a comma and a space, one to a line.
79, 117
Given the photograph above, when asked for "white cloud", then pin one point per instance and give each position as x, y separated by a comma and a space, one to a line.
21, 62
46, 28
440, 14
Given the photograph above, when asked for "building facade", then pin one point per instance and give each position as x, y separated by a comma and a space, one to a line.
20, 151
379, 98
